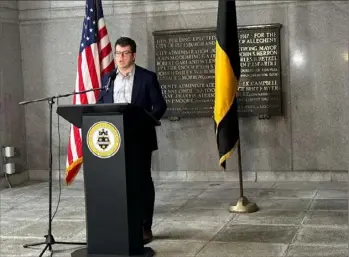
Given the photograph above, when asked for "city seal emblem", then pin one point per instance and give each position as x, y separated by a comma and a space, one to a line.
103, 139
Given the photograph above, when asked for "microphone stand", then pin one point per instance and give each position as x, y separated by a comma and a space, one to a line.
49, 237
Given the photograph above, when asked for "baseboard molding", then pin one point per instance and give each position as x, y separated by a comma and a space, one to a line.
192, 176
43, 175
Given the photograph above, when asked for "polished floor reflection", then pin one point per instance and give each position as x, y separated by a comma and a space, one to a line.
191, 219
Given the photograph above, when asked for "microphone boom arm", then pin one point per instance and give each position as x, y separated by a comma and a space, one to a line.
59, 96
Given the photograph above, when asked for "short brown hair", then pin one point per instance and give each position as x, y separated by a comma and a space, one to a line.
126, 41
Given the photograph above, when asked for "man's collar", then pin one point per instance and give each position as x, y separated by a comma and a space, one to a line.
131, 72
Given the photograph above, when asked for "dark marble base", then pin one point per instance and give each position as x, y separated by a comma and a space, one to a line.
148, 252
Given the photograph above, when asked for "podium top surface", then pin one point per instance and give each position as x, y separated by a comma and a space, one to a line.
74, 113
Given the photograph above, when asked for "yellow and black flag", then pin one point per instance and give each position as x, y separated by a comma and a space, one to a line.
227, 75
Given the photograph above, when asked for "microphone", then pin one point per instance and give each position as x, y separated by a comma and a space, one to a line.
106, 88
112, 76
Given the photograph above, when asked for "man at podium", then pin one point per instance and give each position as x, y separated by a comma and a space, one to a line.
130, 83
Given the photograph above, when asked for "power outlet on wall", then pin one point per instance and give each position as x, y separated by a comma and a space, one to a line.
2, 172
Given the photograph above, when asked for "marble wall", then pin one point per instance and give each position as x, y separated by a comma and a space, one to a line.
308, 142
12, 125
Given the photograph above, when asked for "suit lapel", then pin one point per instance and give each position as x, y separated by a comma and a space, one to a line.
136, 84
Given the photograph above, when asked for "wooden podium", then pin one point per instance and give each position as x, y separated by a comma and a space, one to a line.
113, 137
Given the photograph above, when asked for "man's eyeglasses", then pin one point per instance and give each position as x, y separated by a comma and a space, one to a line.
125, 53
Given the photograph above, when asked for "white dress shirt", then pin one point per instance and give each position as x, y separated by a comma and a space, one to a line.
123, 87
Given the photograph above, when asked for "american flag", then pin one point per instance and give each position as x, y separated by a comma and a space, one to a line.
95, 59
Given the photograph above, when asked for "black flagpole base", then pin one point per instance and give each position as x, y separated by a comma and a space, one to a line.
148, 252
49, 242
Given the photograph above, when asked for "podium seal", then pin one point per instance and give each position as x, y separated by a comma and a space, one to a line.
103, 139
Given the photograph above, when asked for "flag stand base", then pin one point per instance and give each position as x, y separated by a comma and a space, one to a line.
244, 206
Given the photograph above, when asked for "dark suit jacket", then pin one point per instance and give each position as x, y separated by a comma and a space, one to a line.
146, 93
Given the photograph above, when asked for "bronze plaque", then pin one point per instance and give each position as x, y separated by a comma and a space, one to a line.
185, 65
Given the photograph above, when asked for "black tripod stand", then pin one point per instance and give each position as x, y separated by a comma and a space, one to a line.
49, 241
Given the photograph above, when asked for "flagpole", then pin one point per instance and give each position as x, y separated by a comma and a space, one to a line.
240, 171
96, 5
227, 76
243, 205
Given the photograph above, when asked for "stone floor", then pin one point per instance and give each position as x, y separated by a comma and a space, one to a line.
191, 219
